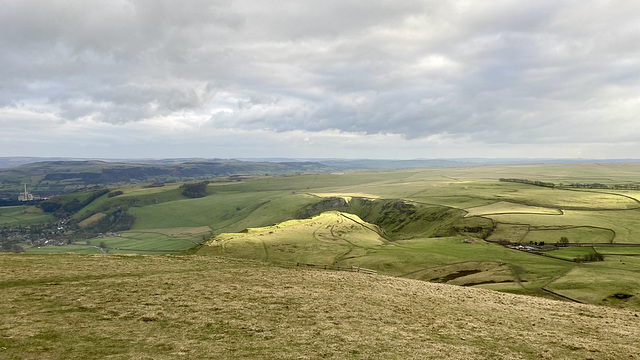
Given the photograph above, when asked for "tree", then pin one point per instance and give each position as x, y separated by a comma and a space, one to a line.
103, 245
563, 241
50, 206
196, 190
15, 248
592, 256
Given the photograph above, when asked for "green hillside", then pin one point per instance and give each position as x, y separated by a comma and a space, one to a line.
456, 225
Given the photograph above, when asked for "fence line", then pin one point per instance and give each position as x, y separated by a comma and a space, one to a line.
326, 267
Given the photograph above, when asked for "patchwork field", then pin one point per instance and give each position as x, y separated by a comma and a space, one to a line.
432, 224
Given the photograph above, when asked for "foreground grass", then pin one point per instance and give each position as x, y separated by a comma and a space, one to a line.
159, 307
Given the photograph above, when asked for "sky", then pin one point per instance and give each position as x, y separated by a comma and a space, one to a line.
387, 79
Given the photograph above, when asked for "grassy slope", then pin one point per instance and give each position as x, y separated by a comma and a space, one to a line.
94, 307
221, 211
13, 216
345, 239
324, 239
599, 282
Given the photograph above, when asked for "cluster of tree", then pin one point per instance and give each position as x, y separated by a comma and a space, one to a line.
469, 229
115, 193
593, 256
63, 208
563, 241
7, 245
195, 190
118, 220
589, 186
530, 182
627, 186
604, 186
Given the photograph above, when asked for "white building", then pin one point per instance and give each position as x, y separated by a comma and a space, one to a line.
25, 196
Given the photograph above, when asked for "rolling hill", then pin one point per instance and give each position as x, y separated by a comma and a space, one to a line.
55, 177
440, 225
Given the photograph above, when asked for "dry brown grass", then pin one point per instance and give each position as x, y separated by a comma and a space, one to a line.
145, 307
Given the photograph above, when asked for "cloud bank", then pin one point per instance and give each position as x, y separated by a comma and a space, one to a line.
304, 78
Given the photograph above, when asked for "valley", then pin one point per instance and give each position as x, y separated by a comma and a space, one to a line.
461, 225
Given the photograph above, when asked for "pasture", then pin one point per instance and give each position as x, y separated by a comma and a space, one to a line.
504, 207
13, 216
136, 241
603, 284
77, 249
575, 235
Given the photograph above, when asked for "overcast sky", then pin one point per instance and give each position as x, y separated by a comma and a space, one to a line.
332, 78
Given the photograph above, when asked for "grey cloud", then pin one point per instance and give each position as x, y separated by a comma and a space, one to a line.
493, 72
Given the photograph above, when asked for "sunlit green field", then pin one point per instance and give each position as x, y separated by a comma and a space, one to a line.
631, 251
145, 241
78, 249
570, 253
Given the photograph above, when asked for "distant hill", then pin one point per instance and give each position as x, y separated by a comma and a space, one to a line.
54, 177
338, 164
372, 164
60, 175
10, 162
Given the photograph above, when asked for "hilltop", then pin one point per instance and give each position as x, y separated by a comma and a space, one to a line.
165, 307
